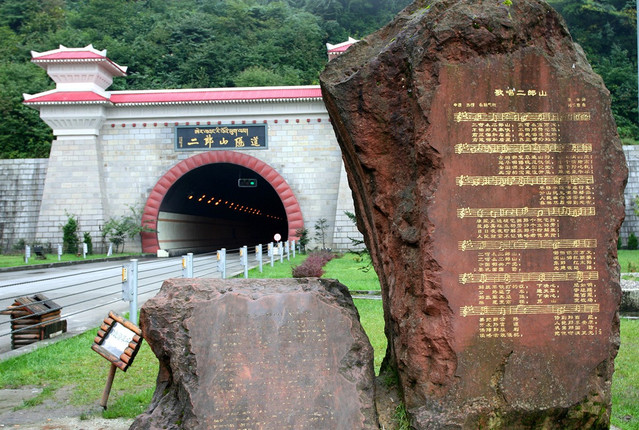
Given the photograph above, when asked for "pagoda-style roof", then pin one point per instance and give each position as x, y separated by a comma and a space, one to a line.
73, 55
338, 49
65, 97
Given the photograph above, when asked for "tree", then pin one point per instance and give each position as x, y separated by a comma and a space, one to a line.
89, 241
70, 240
258, 76
321, 230
22, 132
607, 31
226, 43
620, 76
302, 233
117, 229
357, 243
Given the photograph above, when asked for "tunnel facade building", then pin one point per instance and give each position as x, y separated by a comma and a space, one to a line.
207, 168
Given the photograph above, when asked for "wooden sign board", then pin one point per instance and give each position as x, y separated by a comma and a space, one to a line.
118, 340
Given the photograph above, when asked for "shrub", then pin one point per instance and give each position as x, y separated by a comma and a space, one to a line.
312, 267
323, 255
302, 233
89, 242
321, 230
70, 239
19, 246
633, 243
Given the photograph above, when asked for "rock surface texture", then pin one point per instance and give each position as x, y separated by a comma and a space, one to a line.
272, 354
487, 176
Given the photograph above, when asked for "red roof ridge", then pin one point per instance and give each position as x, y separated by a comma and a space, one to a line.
180, 96
341, 47
70, 55
64, 97
217, 95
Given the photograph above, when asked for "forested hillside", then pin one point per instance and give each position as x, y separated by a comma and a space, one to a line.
221, 43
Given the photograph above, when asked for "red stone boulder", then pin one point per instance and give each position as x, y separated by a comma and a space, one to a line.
258, 353
488, 180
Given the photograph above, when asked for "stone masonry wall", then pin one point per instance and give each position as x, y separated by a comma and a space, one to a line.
306, 154
73, 187
21, 186
631, 223
22, 181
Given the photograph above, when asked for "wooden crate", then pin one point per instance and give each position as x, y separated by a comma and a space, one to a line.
34, 318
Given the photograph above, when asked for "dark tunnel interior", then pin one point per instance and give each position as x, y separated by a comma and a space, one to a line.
220, 205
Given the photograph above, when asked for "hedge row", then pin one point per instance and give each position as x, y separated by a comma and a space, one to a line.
312, 267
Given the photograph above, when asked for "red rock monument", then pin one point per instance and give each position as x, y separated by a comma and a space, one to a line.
488, 182
258, 354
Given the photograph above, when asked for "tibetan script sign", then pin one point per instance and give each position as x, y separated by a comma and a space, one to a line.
243, 136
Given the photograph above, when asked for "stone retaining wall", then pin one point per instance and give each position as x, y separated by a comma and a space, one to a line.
21, 186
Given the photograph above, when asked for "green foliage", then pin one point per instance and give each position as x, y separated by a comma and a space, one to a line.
22, 133
166, 44
357, 280
625, 386
19, 246
633, 243
401, 417
87, 239
302, 233
226, 43
18, 260
607, 31
70, 238
258, 76
72, 363
117, 229
321, 230
626, 257
620, 76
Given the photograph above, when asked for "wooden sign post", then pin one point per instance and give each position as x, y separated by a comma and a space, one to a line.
119, 341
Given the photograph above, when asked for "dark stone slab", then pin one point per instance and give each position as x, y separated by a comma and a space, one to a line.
239, 353
488, 180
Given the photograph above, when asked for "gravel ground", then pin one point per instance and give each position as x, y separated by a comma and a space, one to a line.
54, 414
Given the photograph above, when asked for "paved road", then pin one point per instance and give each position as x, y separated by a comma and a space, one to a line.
87, 292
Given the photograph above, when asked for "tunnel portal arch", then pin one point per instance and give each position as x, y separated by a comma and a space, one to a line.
162, 189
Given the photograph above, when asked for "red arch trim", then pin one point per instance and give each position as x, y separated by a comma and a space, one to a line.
152, 208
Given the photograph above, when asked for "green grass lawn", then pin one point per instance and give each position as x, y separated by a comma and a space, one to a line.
72, 363
627, 257
353, 271
18, 260
279, 270
625, 382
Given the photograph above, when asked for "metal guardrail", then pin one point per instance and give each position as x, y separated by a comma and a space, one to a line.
82, 294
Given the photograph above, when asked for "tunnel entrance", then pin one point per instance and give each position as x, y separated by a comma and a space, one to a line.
217, 206
216, 200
